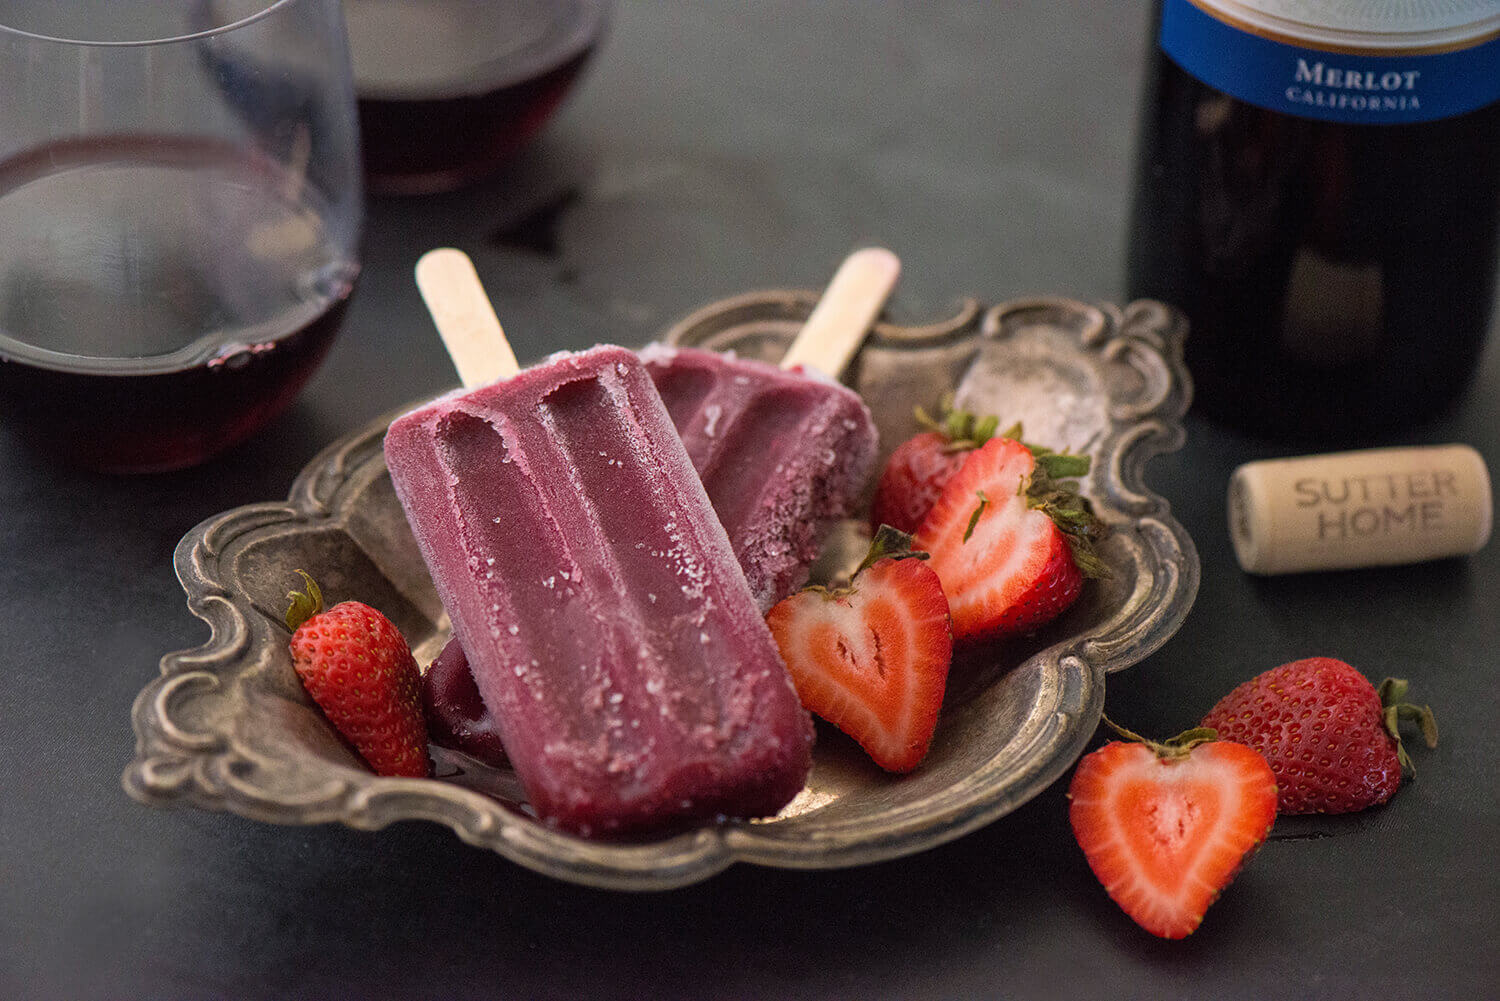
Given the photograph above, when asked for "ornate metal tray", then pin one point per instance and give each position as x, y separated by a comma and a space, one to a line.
227, 726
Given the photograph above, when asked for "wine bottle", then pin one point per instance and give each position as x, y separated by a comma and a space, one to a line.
1318, 188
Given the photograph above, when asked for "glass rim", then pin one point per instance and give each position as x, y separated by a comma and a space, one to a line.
270, 7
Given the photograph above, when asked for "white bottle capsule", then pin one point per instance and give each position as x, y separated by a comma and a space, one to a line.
1376, 507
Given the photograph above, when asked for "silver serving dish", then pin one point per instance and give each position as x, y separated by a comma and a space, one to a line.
227, 726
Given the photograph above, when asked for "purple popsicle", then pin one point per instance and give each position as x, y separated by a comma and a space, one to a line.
782, 450
455, 711
780, 455
609, 629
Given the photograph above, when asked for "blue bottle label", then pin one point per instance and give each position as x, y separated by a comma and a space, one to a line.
1369, 63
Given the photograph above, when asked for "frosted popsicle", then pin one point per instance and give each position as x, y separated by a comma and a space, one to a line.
609, 629
780, 454
782, 451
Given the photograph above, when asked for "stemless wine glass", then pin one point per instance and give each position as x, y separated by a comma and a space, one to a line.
451, 89
180, 203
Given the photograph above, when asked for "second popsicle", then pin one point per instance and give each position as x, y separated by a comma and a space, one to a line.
782, 451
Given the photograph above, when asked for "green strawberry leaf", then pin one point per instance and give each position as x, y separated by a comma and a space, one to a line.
1392, 691
963, 431
889, 544
304, 604
1063, 465
1059, 499
1179, 746
974, 518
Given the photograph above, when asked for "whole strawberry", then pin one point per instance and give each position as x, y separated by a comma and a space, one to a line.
919, 468
359, 670
1166, 826
1332, 739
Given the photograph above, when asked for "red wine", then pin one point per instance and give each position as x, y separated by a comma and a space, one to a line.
160, 298
1338, 276
450, 89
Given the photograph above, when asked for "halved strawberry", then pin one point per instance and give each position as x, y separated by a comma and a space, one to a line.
1011, 539
1167, 826
872, 658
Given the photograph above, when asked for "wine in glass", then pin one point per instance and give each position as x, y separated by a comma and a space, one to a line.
180, 204
451, 89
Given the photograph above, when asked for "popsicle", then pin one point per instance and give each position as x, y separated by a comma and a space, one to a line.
608, 626
782, 450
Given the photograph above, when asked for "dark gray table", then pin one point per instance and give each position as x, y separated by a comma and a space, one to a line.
716, 148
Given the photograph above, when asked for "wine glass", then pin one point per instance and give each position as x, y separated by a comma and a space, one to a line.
449, 90
180, 204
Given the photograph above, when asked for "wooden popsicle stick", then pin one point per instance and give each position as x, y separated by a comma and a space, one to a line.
843, 316
464, 317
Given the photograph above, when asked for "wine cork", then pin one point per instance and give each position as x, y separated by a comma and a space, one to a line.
1377, 507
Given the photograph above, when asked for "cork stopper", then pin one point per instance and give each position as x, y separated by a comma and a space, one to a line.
1377, 507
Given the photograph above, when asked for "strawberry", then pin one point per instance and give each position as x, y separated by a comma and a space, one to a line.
1166, 827
358, 669
1011, 539
872, 657
1331, 737
919, 468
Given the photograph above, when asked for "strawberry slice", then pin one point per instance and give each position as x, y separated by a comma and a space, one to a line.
872, 658
1166, 827
1011, 539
